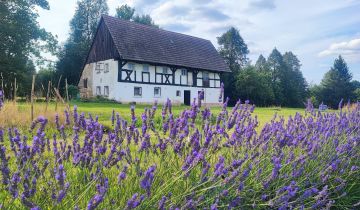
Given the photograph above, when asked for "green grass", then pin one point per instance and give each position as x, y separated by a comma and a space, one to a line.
104, 110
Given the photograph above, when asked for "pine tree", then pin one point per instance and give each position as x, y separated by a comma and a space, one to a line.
296, 90
261, 64
336, 84
277, 74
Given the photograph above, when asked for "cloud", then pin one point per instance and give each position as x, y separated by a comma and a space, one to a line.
177, 27
211, 14
262, 5
350, 49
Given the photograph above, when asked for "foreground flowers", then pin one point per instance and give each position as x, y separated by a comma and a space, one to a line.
195, 160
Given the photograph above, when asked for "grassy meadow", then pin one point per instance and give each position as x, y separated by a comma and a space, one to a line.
20, 113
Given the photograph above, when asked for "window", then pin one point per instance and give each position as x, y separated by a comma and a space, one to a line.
85, 83
99, 67
145, 68
137, 91
106, 90
106, 68
98, 90
178, 93
206, 82
165, 70
157, 92
183, 72
131, 66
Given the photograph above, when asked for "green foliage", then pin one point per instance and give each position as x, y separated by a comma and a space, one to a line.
43, 76
126, 12
336, 84
234, 51
278, 77
82, 31
22, 41
277, 71
261, 64
254, 85
283, 79
357, 94
294, 84
314, 92
73, 91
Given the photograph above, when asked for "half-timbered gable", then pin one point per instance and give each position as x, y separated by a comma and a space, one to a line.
133, 62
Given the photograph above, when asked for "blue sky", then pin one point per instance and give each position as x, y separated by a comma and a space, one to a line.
317, 31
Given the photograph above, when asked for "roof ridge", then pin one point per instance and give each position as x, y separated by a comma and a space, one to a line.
152, 27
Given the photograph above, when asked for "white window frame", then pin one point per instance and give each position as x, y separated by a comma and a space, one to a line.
165, 70
140, 92
183, 72
99, 67
205, 79
106, 68
146, 68
131, 66
98, 90
157, 95
178, 95
106, 91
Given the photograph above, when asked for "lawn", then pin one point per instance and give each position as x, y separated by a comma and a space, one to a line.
104, 111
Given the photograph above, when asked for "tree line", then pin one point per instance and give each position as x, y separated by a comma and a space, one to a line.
278, 80
275, 80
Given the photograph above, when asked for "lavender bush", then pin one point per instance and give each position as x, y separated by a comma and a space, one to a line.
193, 161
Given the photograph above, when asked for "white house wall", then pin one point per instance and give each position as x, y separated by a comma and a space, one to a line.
124, 91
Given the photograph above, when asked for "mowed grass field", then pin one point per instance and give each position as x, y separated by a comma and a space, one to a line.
20, 113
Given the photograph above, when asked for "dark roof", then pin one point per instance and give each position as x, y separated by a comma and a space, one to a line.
144, 43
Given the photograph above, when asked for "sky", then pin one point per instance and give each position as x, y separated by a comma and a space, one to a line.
317, 31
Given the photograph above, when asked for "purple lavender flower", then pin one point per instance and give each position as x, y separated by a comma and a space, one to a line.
219, 167
161, 205
122, 174
67, 117
4, 167
99, 197
134, 201
148, 179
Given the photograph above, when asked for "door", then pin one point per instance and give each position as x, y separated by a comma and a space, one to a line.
187, 97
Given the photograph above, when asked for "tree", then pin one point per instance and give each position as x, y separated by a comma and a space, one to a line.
126, 12
278, 75
336, 84
234, 51
82, 31
295, 88
254, 85
261, 64
22, 42
43, 76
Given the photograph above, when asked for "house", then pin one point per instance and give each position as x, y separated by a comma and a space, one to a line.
131, 62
